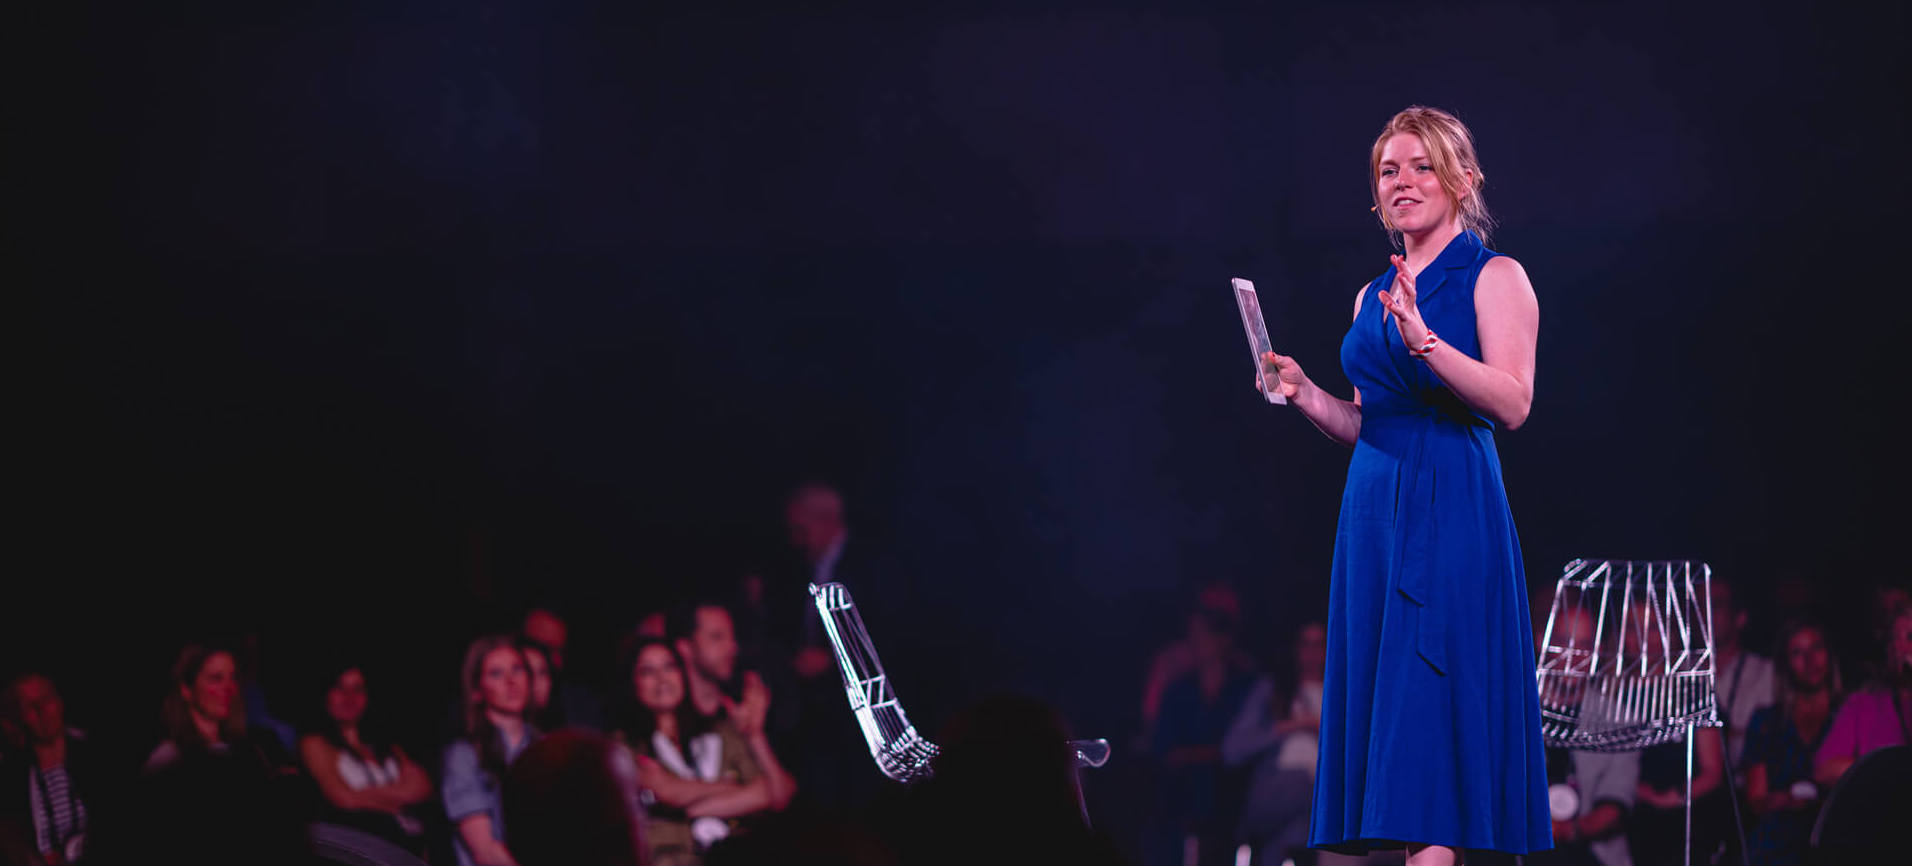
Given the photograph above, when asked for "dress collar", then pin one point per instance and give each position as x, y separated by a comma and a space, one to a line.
1459, 253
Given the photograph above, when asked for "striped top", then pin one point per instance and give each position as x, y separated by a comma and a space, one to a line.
58, 815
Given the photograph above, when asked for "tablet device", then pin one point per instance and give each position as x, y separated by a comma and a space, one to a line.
1256, 329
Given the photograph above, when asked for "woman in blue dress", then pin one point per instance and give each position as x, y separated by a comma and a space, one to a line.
1430, 722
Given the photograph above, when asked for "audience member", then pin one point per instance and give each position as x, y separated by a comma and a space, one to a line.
496, 693
573, 800
1005, 791
756, 622
1176, 659
549, 630
1657, 828
1745, 679
813, 516
47, 785
1590, 794
1196, 710
569, 701
651, 624
707, 641
1278, 729
539, 673
1878, 714
705, 770
367, 781
1781, 741
1882, 600
202, 715
251, 659
816, 722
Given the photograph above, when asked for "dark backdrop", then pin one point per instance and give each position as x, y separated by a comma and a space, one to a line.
364, 328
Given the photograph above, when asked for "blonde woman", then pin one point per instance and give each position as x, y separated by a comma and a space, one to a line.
1430, 725
497, 694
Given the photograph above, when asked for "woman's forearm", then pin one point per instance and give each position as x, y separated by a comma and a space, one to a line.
1336, 418
683, 793
475, 831
782, 787
739, 800
1827, 773
1500, 396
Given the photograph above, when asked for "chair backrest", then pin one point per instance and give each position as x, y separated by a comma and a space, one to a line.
1627, 658
900, 752
1862, 820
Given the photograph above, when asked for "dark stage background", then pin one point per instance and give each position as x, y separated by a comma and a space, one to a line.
365, 328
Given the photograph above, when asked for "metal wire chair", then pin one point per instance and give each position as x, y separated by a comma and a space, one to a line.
1627, 659
900, 752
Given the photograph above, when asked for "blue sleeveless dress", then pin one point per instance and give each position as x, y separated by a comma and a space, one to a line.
1430, 719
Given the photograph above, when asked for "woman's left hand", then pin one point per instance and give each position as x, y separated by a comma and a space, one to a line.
1400, 303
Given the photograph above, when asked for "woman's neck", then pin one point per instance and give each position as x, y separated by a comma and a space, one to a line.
511, 725
667, 725
1422, 248
51, 754
1814, 701
208, 728
349, 732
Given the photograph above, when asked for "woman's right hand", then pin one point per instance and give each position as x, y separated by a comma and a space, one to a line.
1283, 372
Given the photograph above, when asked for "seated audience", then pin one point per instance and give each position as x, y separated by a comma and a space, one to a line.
1656, 829
251, 657
1589, 794
1744, 679
538, 671
1877, 715
47, 783
1781, 742
573, 800
1277, 729
569, 702
1177, 658
202, 716
496, 693
704, 771
367, 781
706, 639
1194, 802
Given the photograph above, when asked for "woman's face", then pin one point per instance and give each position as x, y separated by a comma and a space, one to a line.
1409, 191
214, 691
502, 680
1311, 650
345, 700
658, 680
539, 668
1806, 659
1900, 643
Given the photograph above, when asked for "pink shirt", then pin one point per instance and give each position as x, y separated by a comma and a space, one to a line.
1866, 722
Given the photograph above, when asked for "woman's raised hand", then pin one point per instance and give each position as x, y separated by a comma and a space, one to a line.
1400, 304
1283, 375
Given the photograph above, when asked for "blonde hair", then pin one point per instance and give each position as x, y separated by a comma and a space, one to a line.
1450, 149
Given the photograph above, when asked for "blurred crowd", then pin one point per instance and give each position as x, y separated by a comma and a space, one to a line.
725, 738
